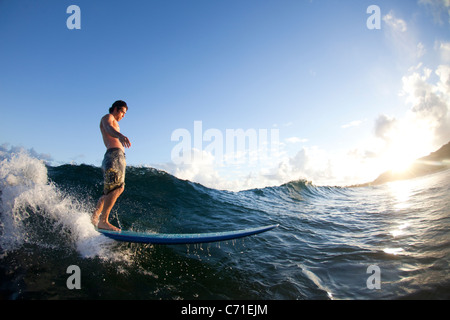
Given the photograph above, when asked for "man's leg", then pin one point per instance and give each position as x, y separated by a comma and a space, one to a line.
104, 206
98, 210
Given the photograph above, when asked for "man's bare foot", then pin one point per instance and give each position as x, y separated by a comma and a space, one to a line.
94, 219
107, 226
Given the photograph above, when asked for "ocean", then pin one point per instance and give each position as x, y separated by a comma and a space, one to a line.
382, 242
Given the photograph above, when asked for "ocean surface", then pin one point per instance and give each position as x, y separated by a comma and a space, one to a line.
385, 242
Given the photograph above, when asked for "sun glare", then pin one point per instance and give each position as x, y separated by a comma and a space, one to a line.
400, 161
407, 144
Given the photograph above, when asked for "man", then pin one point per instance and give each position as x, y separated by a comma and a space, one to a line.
113, 164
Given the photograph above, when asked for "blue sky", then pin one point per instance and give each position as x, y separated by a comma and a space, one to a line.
342, 96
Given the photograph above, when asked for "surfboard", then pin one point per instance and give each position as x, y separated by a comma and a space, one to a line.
182, 238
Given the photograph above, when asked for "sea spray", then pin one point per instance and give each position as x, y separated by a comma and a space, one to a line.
34, 210
19, 175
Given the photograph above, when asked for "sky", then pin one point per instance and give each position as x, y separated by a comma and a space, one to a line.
329, 91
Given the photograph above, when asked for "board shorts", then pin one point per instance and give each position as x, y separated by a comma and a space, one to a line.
113, 167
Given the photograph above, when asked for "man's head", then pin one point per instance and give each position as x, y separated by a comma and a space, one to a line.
118, 104
118, 109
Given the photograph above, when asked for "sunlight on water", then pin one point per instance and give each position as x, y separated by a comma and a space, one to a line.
400, 230
394, 251
402, 192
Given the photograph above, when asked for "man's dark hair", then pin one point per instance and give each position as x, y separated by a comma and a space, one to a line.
118, 104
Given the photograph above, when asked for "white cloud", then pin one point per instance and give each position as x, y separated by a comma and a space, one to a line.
396, 140
7, 150
440, 9
200, 169
321, 167
444, 50
402, 39
420, 51
430, 102
423, 128
354, 123
395, 24
296, 140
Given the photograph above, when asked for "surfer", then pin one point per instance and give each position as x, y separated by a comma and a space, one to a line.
113, 165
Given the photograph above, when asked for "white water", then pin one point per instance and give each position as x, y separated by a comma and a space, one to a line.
25, 190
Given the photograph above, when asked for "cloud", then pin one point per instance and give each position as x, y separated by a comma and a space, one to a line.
355, 123
430, 101
395, 24
402, 39
384, 126
6, 150
444, 51
440, 9
296, 140
422, 129
200, 169
76, 158
426, 124
310, 163
204, 168
322, 167
420, 50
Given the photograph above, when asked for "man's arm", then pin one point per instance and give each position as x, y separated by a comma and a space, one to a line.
108, 125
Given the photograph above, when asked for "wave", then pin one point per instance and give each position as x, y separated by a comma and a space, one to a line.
54, 203
35, 211
324, 232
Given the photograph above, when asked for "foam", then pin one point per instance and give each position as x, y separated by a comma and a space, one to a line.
26, 191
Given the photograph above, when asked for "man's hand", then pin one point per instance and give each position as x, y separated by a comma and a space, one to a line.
124, 141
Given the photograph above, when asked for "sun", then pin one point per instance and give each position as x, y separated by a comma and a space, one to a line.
400, 164
406, 145
401, 156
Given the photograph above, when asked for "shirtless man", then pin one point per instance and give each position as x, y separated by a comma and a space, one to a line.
113, 165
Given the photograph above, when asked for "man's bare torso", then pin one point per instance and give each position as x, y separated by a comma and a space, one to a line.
109, 141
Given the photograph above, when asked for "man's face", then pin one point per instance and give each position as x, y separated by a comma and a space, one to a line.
119, 113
